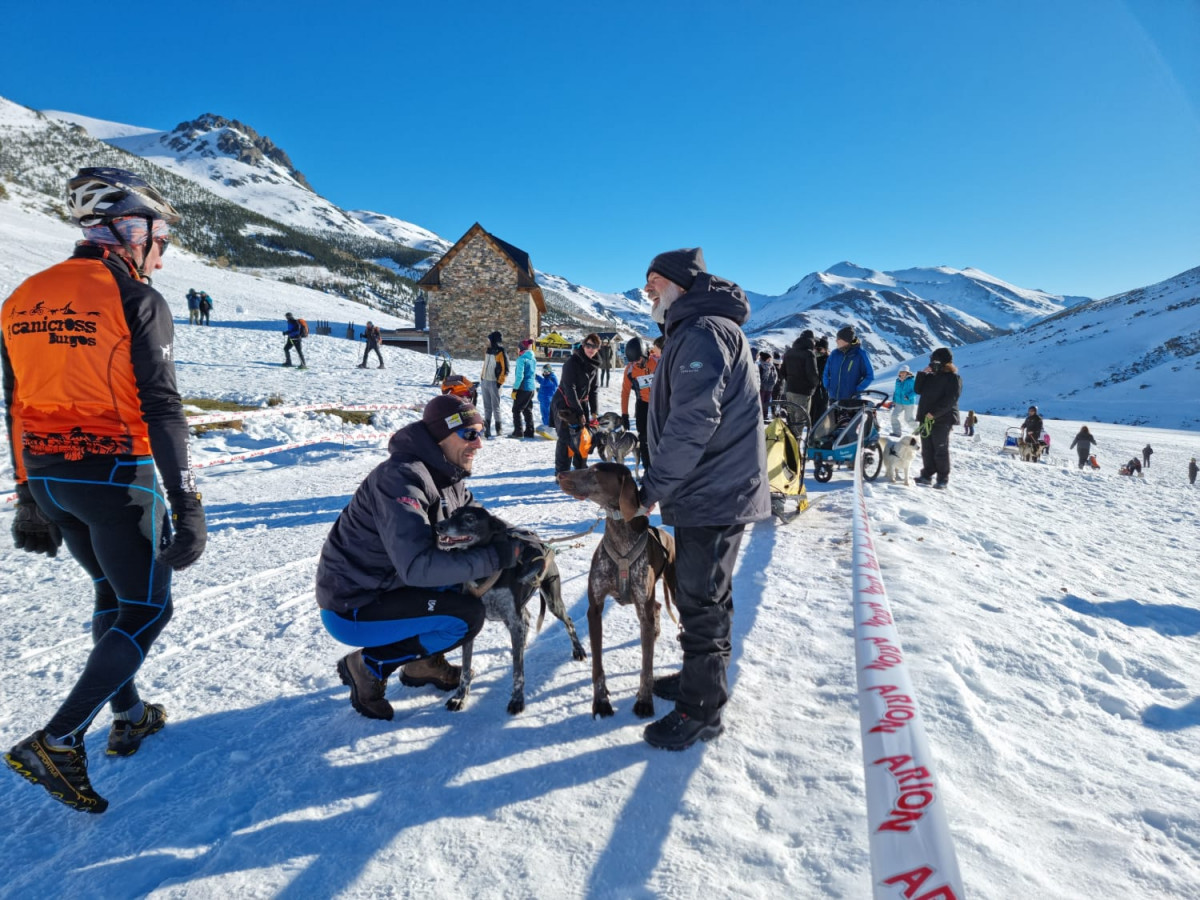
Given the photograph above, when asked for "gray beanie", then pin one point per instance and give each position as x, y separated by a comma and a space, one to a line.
679, 266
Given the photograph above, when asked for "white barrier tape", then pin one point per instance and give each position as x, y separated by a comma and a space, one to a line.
912, 855
213, 418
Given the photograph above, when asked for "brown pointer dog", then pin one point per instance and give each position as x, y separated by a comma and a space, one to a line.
506, 593
630, 561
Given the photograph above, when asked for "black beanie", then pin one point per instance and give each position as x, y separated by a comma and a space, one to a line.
448, 412
494, 337
679, 266
846, 333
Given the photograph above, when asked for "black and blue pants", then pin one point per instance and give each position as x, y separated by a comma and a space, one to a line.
406, 624
114, 522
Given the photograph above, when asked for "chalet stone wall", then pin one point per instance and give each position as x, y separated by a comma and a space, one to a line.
478, 295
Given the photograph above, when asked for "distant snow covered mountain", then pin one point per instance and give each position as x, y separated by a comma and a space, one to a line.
233, 161
899, 314
1073, 357
1126, 359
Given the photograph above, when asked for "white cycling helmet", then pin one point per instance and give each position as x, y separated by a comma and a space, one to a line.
96, 196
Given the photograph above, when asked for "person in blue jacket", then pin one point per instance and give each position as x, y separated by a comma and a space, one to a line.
848, 371
547, 385
904, 402
523, 375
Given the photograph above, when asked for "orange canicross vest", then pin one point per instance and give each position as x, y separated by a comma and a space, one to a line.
68, 341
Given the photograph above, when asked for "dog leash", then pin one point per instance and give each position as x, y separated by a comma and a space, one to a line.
571, 537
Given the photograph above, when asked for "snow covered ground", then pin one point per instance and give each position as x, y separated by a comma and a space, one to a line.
1049, 618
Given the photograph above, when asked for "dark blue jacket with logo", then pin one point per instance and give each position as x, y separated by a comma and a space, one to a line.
705, 418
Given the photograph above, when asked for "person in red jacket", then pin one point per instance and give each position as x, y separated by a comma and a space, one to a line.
93, 410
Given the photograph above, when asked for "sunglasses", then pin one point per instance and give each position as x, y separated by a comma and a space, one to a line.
162, 244
470, 434
591, 346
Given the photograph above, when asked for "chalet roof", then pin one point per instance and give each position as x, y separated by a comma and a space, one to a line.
519, 259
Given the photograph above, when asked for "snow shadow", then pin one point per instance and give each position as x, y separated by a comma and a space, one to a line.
1164, 718
1168, 619
282, 514
304, 785
646, 819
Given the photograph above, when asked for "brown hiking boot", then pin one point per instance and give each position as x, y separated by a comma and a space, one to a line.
366, 691
431, 670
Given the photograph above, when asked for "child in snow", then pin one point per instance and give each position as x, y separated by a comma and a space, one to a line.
547, 385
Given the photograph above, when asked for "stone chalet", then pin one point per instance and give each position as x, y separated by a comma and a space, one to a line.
481, 285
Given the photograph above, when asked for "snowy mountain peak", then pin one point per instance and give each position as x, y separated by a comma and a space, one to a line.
846, 269
211, 133
902, 313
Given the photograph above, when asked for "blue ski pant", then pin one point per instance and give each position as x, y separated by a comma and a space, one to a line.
406, 624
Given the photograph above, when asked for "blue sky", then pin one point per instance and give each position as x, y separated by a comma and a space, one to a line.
1052, 143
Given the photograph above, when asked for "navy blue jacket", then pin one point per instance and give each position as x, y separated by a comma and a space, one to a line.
385, 538
705, 418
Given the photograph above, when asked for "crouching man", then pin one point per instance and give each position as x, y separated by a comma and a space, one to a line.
384, 585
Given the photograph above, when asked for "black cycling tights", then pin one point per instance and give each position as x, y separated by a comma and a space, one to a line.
113, 521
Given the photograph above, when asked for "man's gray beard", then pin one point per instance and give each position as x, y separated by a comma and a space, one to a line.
665, 298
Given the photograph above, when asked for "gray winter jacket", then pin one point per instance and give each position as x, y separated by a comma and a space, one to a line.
705, 419
385, 539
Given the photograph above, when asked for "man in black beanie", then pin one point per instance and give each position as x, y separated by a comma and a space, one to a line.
679, 268
384, 584
709, 474
848, 371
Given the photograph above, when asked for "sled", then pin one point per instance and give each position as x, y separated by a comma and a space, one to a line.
443, 370
1012, 441
785, 462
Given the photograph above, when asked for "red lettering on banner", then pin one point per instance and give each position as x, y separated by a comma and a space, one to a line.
914, 880
879, 614
901, 709
874, 585
888, 655
915, 792
870, 562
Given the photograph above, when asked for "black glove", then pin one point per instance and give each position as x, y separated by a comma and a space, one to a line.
191, 534
507, 548
625, 421
583, 418
31, 530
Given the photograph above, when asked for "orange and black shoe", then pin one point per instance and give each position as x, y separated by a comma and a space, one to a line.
125, 737
63, 773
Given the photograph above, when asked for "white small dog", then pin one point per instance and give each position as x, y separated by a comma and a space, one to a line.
898, 455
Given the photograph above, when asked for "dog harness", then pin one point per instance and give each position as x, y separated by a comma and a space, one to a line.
624, 561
